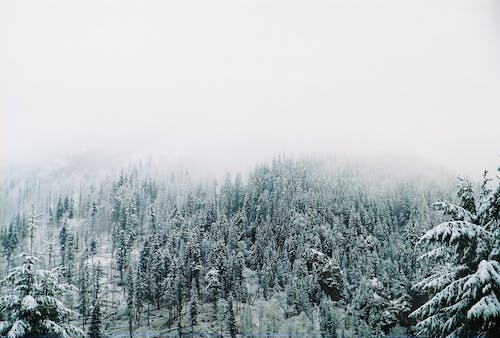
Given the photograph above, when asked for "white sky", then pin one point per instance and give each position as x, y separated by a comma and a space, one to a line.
241, 80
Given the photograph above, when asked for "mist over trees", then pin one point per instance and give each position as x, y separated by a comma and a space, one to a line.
294, 247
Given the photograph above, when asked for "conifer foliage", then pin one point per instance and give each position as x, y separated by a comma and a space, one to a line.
464, 290
31, 302
295, 247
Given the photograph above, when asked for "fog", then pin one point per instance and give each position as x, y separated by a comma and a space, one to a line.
234, 82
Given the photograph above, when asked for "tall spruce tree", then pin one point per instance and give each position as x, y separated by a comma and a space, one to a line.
130, 302
83, 304
193, 310
95, 327
95, 321
327, 321
231, 319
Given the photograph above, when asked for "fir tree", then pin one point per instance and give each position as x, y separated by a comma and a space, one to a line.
9, 240
143, 285
95, 326
32, 226
63, 242
32, 304
93, 248
193, 310
122, 254
327, 323
158, 272
130, 302
50, 251
84, 294
59, 210
71, 247
95, 321
231, 320
93, 214
464, 291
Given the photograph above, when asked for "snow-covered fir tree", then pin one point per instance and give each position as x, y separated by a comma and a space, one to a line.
31, 303
464, 288
95, 326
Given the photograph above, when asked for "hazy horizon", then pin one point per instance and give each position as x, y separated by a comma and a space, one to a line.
237, 82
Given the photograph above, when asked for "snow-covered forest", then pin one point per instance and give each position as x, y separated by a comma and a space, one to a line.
249, 168
295, 247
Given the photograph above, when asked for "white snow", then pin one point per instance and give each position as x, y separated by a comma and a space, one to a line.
29, 303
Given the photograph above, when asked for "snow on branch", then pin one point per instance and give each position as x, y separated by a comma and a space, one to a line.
487, 309
456, 212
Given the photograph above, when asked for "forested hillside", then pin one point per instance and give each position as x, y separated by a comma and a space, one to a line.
296, 247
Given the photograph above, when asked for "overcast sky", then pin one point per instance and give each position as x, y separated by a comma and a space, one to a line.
242, 80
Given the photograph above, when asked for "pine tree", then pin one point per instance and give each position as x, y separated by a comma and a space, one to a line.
152, 219
193, 310
93, 248
59, 210
84, 294
464, 291
178, 283
327, 323
71, 247
130, 302
158, 272
231, 320
63, 242
50, 251
9, 241
32, 226
69, 207
143, 285
32, 305
95, 326
93, 214
122, 254
95, 321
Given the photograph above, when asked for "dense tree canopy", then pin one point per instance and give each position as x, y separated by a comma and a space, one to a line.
294, 247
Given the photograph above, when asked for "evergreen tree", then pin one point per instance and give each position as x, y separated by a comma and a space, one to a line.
95, 327
95, 321
193, 310
158, 272
464, 290
93, 248
9, 241
93, 214
59, 210
152, 219
327, 322
130, 302
63, 242
69, 207
71, 247
122, 254
143, 285
32, 226
50, 251
33, 303
178, 283
231, 320
83, 304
